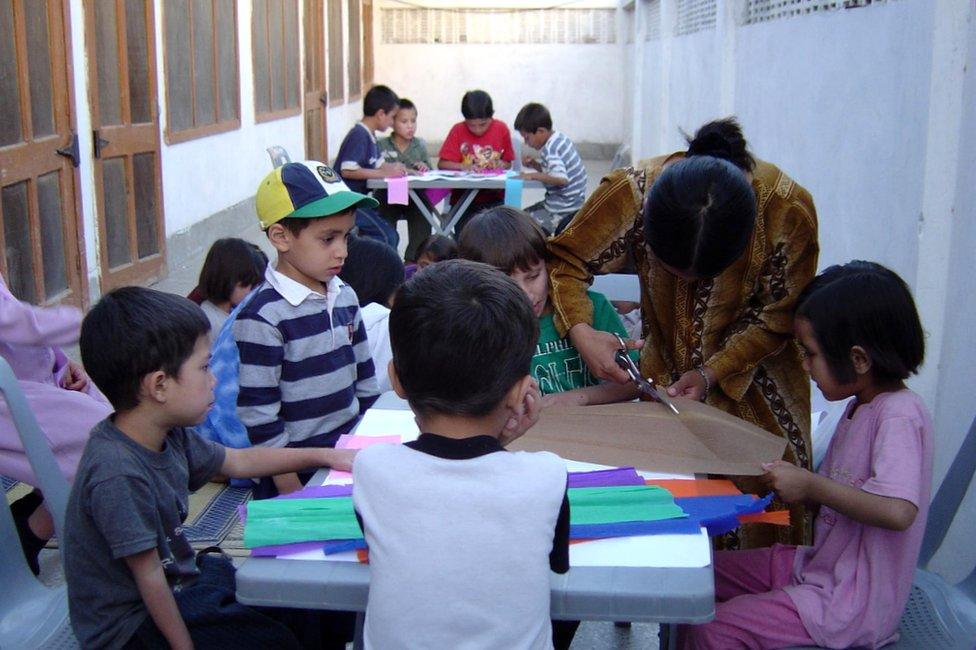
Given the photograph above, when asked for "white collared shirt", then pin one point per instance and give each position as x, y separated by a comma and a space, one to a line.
296, 293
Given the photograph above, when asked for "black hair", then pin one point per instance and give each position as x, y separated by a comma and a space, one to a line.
503, 237
722, 139
438, 248
532, 117
133, 331
373, 269
476, 105
295, 225
230, 261
379, 98
699, 215
462, 335
405, 103
865, 304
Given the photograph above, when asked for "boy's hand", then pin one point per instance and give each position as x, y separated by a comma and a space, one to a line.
529, 161
393, 169
421, 167
75, 377
791, 483
341, 459
529, 176
525, 418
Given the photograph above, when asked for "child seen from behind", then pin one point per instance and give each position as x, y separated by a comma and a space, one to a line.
306, 375
511, 241
133, 578
860, 332
462, 533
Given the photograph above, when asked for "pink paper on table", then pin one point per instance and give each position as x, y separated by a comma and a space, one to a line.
396, 188
347, 441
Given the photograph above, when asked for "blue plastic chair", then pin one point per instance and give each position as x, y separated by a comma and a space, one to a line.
940, 615
32, 615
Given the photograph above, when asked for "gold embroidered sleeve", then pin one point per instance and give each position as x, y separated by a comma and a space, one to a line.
595, 242
765, 330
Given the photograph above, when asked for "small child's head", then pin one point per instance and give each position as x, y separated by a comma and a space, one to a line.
374, 271
405, 122
232, 268
858, 326
380, 103
142, 346
462, 336
477, 111
534, 124
512, 242
307, 211
436, 248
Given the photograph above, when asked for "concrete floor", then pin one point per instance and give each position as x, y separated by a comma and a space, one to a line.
596, 635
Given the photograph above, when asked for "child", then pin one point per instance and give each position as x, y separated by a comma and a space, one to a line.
403, 147
861, 335
559, 168
436, 248
232, 268
375, 272
359, 160
64, 402
305, 371
132, 576
512, 242
478, 143
462, 534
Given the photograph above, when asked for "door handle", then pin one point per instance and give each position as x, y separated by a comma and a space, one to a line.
324, 98
98, 143
71, 150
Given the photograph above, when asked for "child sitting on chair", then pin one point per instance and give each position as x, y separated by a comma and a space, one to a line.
462, 533
861, 338
132, 575
513, 242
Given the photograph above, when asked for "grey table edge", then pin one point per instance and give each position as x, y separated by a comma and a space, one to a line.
686, 595
495, 183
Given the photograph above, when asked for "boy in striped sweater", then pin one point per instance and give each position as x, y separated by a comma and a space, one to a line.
306, 375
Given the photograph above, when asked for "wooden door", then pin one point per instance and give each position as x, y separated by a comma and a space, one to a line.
316, 98
41, 252
125, 123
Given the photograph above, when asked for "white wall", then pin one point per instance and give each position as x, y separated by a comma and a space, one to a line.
873, 111
582, 85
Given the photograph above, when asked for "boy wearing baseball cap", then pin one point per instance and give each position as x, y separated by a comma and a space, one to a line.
306, 375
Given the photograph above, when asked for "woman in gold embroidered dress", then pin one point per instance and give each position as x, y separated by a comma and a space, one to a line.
723, 244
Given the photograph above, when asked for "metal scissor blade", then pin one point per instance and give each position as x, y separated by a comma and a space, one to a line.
644, 385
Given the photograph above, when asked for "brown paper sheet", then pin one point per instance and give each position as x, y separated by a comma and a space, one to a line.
648, 436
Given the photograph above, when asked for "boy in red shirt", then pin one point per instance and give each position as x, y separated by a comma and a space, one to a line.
477, 143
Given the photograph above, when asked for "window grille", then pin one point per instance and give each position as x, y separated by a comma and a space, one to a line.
695, 16
761, 11
449, 26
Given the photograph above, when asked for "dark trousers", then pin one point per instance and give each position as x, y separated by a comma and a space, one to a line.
418, 228
216, 620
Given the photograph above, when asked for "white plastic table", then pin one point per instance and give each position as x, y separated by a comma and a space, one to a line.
439, 179
664, 579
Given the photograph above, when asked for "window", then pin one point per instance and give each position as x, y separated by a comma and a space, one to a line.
274, 44
335, 55
355, 58
202, 95
368, 65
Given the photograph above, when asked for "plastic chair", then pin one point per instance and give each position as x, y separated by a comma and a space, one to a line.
32, 615
940, 615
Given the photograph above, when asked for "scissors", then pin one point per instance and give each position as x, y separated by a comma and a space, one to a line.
645, 386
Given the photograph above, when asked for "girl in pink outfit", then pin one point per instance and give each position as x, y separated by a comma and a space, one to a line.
861, 335
64, 401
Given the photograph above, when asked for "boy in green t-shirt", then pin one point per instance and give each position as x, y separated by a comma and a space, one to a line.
511, 241
402, 147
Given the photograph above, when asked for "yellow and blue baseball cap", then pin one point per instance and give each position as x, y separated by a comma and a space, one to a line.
305, 189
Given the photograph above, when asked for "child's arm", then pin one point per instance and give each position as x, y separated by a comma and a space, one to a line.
794, 484
386, 170
605, 393
456, 166
263, 461
546, 179
158, 597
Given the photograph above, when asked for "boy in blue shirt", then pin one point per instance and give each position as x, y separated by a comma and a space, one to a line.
559, 168
306, 375
359, 160
133, 578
